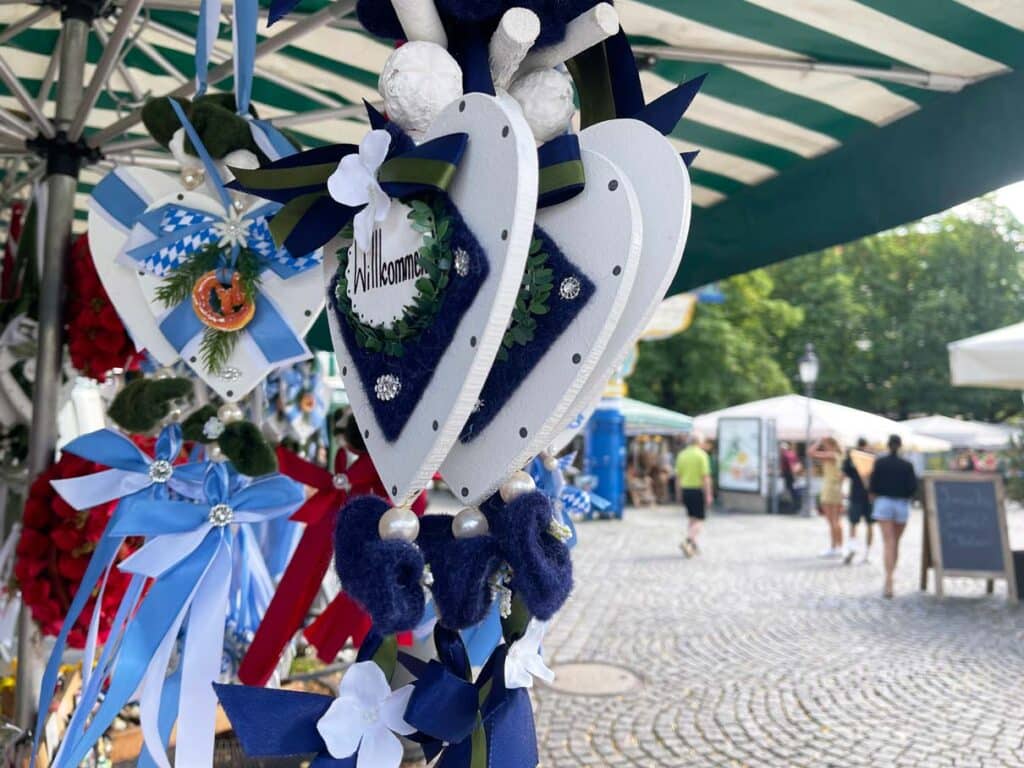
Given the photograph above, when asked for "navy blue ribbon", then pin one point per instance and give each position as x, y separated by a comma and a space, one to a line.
561, 176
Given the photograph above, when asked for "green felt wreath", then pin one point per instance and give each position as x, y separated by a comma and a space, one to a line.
533, 300
432, 219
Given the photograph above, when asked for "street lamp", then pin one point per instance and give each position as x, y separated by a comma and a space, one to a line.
808, 365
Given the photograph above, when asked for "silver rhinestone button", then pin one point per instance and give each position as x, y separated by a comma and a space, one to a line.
221, 515
341, 482
230, 373
461, 262
160, 471
569, 288
387, 387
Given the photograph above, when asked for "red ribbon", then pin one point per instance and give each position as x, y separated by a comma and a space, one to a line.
343, 618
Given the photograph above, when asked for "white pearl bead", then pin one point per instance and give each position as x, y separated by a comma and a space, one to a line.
173, 416
470, 523
230, 412
517, 484
399, 523
214, 453
549, 461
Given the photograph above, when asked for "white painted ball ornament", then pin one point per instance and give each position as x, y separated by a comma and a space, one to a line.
230, 412
470, 523
517, 484
546, 97
399, 524
418, 81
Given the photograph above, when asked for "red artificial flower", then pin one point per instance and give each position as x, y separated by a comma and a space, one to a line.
54, 550
97, 340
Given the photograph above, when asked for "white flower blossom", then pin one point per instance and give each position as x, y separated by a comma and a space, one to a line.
523, 661
354, 183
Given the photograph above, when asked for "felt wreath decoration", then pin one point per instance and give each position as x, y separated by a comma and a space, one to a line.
435, 256
97, 339
54, 550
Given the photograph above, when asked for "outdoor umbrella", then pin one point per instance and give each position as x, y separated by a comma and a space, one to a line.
962, 433
827, 420
993, 359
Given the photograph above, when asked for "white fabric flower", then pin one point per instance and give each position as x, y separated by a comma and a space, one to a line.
213, 428
523, 661
354, 183
366, 716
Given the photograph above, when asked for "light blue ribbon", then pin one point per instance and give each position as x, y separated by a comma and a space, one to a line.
128, 476
189, 556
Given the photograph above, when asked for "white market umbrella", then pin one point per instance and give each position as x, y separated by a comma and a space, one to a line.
963, 433
845, 424
993, 359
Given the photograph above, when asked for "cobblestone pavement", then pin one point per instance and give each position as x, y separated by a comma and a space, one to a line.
756, 653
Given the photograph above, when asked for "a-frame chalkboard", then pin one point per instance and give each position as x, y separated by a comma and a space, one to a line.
965, 530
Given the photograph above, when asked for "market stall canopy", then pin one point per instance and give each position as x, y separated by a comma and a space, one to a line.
646, 419
820, 120
827, 419
993, 359
962, 433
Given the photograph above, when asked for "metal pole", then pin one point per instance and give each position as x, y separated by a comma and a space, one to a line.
808, 394
61, 183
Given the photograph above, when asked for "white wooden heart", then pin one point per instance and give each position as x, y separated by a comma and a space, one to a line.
494, 190
662, 185
600, 231
298, 300
107, 238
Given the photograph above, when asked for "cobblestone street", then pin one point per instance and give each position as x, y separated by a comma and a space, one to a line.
756, 653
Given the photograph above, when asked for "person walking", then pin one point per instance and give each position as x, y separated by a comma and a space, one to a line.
790, 467
693, 476
858, 508
829, 454
893, 484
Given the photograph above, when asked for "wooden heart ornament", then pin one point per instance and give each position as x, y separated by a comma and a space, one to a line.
209, 284
662, 185
418, 317
579, 273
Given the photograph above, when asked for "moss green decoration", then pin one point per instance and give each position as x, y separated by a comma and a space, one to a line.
244, 446
192, 427
221, 129
533, 299
144, 403
435, 257
160, 120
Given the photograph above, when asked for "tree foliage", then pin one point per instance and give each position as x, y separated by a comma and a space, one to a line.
879, 311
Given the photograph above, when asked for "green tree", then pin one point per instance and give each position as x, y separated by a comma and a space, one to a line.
880, 311
727, 356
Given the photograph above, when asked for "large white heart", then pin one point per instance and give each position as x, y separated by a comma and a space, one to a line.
494, 190
662, 185
600, 232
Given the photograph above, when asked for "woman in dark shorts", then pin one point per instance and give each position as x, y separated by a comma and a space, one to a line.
858, 509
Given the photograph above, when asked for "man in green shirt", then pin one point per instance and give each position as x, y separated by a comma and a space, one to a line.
693, 478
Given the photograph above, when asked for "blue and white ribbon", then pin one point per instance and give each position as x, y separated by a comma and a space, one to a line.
189, 554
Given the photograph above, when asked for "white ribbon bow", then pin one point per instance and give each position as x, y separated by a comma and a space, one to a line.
524, 662
366, 716
354, 183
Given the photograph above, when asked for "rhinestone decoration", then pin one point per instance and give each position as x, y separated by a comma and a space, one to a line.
341, 482
559, 530
230, 373
160, 471
221, 515
427, 580
461, 262
387, 387
213, 428
501, 592
569, 288
478, 405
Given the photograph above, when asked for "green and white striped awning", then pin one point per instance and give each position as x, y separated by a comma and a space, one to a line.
820, 120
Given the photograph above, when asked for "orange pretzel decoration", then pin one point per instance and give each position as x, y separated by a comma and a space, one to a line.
236, 309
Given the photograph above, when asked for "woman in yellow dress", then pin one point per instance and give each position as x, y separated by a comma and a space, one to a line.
829, 453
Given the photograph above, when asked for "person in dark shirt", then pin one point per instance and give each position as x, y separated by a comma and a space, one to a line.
893, 485
858, 508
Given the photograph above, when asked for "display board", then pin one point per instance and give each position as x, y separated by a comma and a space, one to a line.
965, 530
740, 455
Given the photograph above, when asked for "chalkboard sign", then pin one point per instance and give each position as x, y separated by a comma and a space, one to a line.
965, 530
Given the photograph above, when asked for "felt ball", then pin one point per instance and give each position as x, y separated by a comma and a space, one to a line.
546, 98
418, 81
470, 523
517, 484
399, 524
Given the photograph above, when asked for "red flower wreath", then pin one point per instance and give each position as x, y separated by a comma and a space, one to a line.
54, 550
97, 340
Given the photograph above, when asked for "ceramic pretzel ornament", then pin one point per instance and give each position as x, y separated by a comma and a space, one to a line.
492, 192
